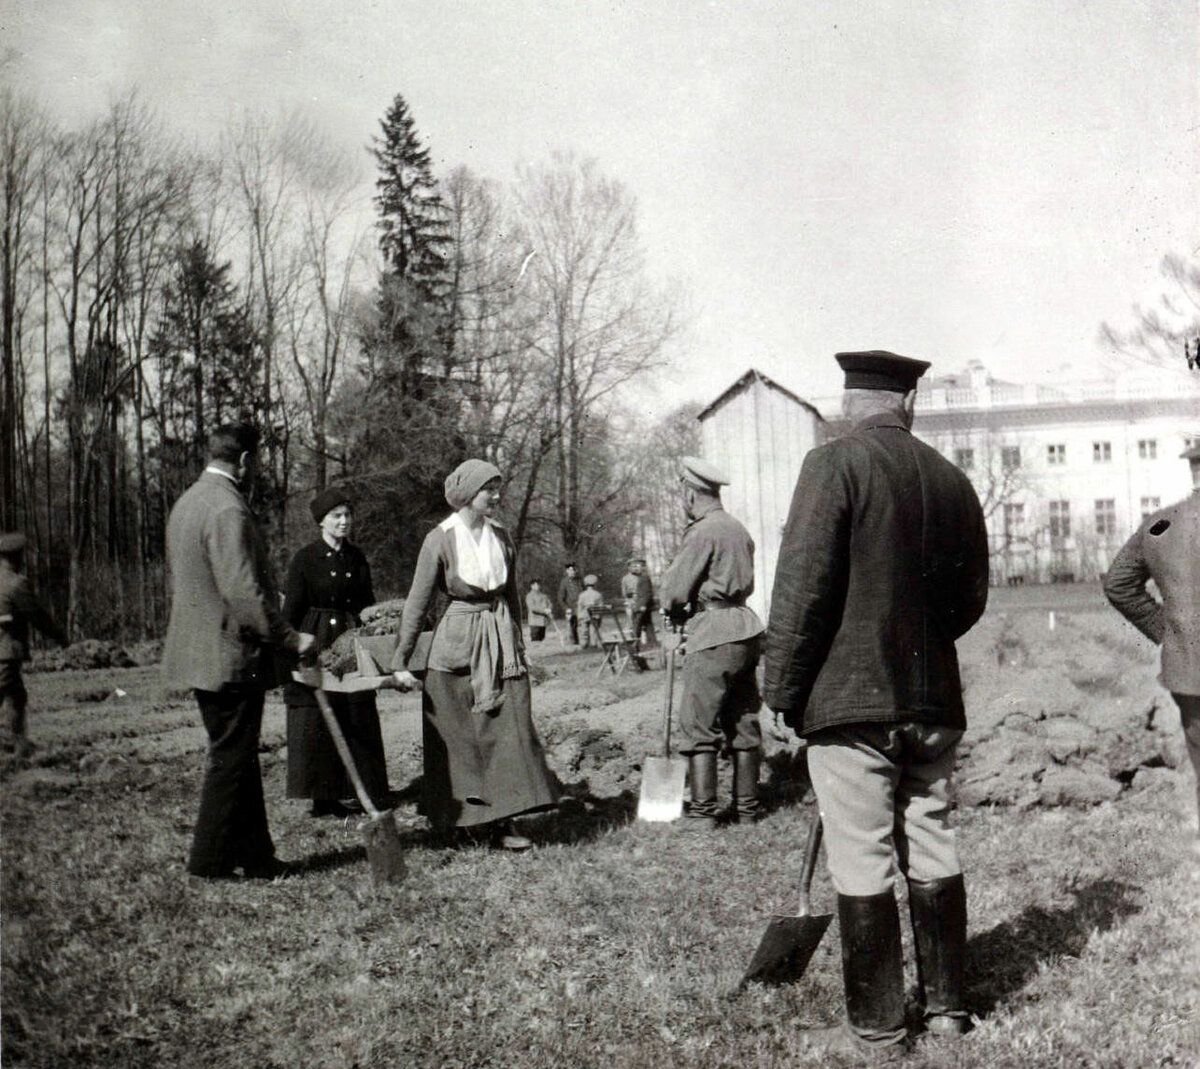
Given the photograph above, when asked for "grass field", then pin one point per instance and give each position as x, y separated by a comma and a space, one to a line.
612, 944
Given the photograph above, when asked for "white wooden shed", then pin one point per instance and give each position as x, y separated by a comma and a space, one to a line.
758, 432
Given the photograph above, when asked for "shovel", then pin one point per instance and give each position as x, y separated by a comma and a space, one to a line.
382, 840
788, 943
661, 797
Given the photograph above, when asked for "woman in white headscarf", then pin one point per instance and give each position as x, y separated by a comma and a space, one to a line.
484, 763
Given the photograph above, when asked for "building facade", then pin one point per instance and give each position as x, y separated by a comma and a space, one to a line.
1065, 472
757, 432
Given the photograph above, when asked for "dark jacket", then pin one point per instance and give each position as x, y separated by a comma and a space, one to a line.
883, 565
18, 601
324, 592
1166, 548
326, 589
225, 625
569, 589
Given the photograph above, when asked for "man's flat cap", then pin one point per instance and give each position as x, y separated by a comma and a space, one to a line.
877, 369
701, 474
636, 560
12, 542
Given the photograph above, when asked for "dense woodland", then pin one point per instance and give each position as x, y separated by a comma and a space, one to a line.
154, 289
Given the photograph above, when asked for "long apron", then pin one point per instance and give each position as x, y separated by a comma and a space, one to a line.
314, 769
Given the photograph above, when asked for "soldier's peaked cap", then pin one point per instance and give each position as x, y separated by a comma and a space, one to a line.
877, 369
12, 542
700, 473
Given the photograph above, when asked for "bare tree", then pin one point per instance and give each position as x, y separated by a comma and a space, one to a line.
23, 134
1169, 332
599, 322
320, 313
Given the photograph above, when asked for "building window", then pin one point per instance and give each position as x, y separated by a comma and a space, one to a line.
1014, 520
1102, 452
1060, 519
1150, 504
1148, 448
1106, 516
1010, 457
1056, 454
965, 458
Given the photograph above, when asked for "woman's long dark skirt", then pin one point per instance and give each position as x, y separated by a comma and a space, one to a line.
480, 767
314, 769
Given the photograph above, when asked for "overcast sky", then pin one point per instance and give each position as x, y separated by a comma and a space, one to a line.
948, 180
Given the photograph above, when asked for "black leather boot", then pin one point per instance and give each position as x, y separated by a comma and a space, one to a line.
701, 811
745, 786
872, 966
939, 918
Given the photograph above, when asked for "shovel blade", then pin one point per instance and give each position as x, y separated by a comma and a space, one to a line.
661, 797
385, 852
785, 949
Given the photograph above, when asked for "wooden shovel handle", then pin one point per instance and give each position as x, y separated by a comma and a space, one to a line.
339, 740
667, 702
810, 862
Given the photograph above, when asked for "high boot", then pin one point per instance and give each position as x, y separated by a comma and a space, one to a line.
745, 786
939, 918
702, 771
873, 972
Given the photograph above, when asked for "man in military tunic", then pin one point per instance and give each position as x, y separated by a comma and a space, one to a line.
1166, 548
707, 585
20, 607
883, 565
638, 592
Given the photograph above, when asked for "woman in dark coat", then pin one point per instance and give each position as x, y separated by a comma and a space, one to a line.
328, 585
483, 761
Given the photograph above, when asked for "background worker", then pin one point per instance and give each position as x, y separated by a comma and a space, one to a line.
20, 608
708, 583
223, 635
537, 604
882, 566
569, 589
638, 592
589, 598
1166, 548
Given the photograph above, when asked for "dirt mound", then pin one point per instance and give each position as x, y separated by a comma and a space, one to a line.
80, 656
1063, 714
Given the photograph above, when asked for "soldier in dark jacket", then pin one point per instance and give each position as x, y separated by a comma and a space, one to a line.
569, 589
19, 608
708, 583
883, 565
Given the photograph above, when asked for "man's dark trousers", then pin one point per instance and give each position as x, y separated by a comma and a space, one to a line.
231, 829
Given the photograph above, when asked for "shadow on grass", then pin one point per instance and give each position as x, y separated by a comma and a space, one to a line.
328, 860
1001, 961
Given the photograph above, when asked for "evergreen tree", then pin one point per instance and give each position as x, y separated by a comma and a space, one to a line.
413, 233
209, 357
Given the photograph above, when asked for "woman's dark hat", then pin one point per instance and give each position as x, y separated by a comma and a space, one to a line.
327, 500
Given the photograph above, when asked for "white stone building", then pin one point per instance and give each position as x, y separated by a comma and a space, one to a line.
1066, 471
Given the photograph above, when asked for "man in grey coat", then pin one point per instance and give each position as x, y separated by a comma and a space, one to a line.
883, 565
1166, 548
222, 639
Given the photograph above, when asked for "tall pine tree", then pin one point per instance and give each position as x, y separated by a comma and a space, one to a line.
404, 428
412, 219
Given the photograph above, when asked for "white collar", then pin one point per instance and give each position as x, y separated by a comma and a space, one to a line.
212, 470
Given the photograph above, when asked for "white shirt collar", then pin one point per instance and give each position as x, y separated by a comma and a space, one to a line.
212, 470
